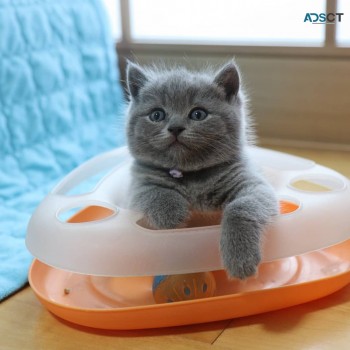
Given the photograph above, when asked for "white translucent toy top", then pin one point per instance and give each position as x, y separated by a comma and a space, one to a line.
120, 245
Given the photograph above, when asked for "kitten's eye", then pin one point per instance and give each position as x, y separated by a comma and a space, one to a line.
157, 115
198, 114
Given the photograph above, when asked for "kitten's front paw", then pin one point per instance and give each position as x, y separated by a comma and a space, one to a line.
167, 211
240, 265
239, 250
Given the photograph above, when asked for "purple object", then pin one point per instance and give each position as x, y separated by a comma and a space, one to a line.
177, 174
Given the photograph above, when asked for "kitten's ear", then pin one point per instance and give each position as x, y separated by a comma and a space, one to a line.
228, 78
135, 78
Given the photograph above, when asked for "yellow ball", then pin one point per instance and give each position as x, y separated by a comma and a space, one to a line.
171, 288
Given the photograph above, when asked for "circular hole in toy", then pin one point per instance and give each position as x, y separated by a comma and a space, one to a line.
317, 183
85, 214
187, 291
288, 205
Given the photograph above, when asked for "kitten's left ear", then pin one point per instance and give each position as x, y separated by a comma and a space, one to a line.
228, 78
135, 78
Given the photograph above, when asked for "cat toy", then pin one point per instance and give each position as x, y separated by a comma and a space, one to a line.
103, 267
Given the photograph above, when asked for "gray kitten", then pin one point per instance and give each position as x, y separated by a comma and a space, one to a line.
188, 133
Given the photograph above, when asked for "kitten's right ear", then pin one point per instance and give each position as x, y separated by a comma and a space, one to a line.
135, 79
228, 79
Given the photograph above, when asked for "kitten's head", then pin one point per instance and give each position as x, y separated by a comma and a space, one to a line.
185, 120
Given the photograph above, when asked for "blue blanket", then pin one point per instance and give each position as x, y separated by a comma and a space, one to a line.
60, 103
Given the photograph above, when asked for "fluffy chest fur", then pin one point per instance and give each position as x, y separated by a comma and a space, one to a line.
205, 190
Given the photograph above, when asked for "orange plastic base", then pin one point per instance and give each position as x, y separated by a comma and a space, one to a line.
127, 303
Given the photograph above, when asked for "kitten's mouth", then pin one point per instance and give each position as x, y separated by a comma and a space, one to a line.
179, 147
176, 142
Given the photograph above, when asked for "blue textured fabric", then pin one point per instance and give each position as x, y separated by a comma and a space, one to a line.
60, 103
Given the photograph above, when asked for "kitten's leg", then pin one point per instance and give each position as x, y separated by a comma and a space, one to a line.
164, 208
244, 221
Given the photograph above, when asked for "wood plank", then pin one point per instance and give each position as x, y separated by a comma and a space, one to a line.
25, 324
323, 324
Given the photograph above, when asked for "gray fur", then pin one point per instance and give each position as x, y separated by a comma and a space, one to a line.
211, 154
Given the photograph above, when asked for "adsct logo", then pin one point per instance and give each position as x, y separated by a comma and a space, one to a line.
323, 18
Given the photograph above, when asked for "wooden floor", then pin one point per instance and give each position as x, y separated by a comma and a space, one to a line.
322, 324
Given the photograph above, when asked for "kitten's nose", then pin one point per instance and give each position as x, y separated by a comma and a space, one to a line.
176, 130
